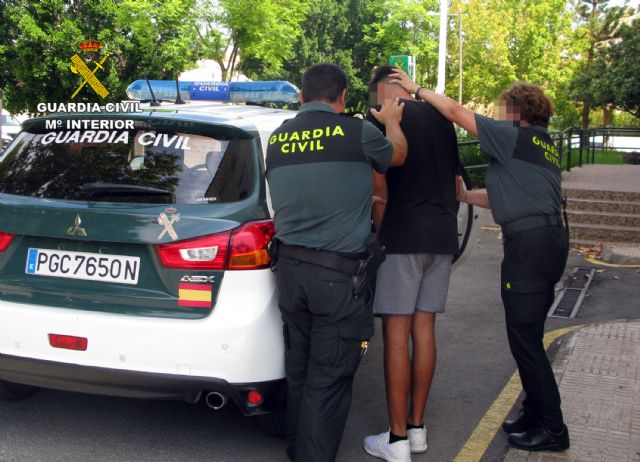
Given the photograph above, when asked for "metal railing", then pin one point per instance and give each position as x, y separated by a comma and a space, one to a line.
582, 146
576, 146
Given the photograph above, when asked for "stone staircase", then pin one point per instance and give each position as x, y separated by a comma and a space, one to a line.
603, 216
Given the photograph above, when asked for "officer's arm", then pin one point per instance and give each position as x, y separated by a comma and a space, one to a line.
449, 108
477, 197
390, 116
380, 195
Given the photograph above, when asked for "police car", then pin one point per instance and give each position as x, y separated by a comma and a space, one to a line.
133, 253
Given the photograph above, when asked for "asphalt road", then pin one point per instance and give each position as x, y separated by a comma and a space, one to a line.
474, 364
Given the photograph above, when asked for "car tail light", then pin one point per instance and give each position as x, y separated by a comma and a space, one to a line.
240, 249
206, 253
249, 245
5, 240
68, 342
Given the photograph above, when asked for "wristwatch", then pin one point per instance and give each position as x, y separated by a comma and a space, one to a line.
417, 93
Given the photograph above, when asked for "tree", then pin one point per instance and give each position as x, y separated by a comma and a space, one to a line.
332, 32
233, 32
598, 24
509, 40
619, 67
407, 28
142, 37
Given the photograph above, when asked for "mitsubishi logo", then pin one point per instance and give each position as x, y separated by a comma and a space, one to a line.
77, 229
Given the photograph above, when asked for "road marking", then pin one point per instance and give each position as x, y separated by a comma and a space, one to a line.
594, 261
490, 228
490, 424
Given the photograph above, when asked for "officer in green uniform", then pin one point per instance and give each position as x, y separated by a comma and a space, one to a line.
523, 192
319, 169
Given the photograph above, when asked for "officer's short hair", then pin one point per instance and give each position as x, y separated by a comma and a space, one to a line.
380, 74
529, 101
323, 82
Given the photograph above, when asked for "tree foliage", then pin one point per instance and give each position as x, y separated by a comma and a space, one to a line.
509, 40
597, 26
568, 51
142, 37
233, 32
332, 32
614, 72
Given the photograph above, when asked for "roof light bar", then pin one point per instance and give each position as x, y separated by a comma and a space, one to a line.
276, 91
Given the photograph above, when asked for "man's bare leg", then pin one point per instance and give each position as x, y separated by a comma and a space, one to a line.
397, 370
423, 363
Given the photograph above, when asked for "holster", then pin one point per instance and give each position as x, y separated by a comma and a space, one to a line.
272, 250
368, 268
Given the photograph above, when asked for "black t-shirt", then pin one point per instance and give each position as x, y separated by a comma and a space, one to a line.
421, 212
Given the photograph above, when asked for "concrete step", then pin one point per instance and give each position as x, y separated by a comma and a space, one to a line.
603, 206
602, 195
604, 233
604, 218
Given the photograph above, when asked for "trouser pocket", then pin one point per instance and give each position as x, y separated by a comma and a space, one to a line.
353, 344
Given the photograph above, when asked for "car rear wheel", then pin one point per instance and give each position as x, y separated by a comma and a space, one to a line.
10, 391
273, 424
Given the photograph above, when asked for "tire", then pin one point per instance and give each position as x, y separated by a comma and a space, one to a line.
273, 424
10, 391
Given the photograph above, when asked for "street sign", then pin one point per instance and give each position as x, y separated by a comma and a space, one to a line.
406, 63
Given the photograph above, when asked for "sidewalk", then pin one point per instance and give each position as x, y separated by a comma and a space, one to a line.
598, 371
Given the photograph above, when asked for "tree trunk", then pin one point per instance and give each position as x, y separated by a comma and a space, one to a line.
607, 121
584, 139
607, 116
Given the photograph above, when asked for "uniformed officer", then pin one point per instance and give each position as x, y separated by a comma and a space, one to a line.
523, 186
319, 169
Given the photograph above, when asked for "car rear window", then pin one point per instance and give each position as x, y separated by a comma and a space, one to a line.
140, 165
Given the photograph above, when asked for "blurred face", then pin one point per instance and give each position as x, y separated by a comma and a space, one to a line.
387, 92
508, 112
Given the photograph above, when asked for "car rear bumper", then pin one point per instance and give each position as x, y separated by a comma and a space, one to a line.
135, 384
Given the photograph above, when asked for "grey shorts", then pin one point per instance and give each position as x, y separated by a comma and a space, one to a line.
410, 282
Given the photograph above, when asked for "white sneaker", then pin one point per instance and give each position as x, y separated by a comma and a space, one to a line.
417, 439
378, 446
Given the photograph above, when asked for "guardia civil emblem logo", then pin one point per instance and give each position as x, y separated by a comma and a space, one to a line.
79, 66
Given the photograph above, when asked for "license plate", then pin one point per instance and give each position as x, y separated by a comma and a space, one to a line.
120, 269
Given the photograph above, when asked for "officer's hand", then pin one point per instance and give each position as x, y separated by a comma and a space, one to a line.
461, 190
390, 112
401, 78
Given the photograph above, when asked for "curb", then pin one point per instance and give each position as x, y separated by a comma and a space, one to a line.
622, 254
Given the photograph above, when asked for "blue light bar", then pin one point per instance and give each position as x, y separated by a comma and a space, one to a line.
276, 91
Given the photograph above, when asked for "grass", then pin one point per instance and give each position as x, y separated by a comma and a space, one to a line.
471, 157
599, 156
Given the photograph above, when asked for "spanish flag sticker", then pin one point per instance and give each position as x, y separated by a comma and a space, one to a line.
195, 295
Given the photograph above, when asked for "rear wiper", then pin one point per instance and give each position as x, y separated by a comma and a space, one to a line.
115, 188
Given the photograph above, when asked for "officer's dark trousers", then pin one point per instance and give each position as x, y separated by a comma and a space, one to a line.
533, 262
324, 328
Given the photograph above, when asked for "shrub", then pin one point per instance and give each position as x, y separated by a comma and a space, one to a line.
632, 158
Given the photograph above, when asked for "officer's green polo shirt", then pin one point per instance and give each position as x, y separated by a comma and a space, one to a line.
326, 203
524, 174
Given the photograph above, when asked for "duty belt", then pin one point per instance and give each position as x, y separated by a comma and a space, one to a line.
534, 221
345, 263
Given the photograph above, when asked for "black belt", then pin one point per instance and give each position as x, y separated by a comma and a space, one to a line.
343, 262
535, 221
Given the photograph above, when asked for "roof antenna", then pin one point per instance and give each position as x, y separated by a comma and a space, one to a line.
179, 99
154, 101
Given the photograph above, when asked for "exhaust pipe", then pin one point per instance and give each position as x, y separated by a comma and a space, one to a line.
215, 400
